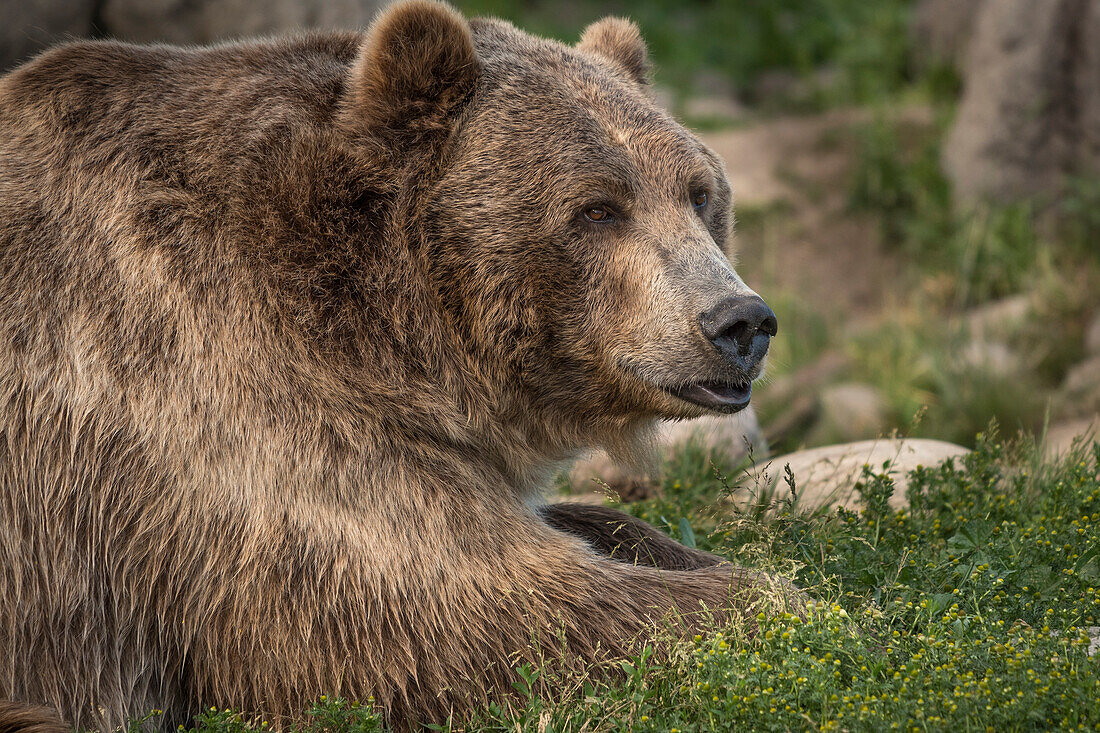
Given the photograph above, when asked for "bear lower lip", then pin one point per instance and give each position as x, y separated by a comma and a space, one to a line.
720, 396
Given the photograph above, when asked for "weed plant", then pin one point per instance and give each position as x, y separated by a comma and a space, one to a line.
972, 609
924, 356
991, 250
864, 45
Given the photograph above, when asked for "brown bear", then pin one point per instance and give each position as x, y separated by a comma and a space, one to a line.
294, 333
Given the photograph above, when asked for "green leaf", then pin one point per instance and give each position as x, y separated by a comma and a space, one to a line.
687, 535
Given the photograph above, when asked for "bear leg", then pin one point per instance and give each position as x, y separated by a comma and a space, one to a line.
625, 538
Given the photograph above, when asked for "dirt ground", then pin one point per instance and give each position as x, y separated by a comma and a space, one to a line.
796, 232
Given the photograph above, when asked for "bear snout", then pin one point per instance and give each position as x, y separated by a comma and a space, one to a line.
740, 327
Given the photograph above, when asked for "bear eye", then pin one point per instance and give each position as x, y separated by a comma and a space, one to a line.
699, 199
599, 214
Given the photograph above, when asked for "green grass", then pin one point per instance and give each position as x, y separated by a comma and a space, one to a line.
968, 610
963, 257
991, 250
933, 390
325, 716
865, 44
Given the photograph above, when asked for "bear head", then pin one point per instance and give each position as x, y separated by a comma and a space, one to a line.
571, 229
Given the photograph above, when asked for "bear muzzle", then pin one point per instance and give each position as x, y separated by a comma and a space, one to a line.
740, 329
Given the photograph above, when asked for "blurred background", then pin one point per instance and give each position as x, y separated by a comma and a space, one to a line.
917, 185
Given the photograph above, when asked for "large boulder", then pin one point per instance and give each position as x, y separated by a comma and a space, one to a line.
31, 25
1079, 395
1030, 111
850, 411
999, 320
728, 436
1087, 83
203, 21
941, 30
1064, 435
792, 402
1092, 335
828, 475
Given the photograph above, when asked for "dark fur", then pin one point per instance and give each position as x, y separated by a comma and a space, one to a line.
22, 718
292, 334
625, 538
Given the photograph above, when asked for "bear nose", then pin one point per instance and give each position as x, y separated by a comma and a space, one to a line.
740, 326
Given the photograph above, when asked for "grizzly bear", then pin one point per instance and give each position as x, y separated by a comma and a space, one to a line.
294, 333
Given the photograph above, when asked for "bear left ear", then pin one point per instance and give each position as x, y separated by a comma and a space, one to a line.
416, 66
619, 40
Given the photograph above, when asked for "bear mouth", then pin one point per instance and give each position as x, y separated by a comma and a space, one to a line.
718, 396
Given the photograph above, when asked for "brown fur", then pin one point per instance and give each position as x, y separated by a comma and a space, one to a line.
618, 40
292, 334
625, 538
22, 718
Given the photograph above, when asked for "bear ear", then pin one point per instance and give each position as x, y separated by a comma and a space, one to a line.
619, 40
415, 69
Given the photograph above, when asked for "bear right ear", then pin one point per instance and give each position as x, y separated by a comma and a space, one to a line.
416, 67
619, 41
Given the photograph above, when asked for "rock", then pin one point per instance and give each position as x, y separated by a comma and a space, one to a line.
792, 401
941, 30
1030, 111
1092, 335
1087, 86
731, 436
851, 411
1000, 319
991, 327
782, 88
31, 25
709, 82
991, 357
1061, 436
203, 21
809, 378
728, 436
597, 473
828, 475
796, 419
1079, 395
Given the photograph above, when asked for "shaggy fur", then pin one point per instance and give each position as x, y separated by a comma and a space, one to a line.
292, 334
22, 718
625, 538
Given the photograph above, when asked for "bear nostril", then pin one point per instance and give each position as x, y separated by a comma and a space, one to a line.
743, 332
769, 326
740, 333
738, 320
